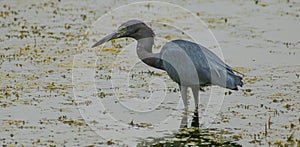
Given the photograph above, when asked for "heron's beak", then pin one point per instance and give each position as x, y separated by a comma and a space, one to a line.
109, 37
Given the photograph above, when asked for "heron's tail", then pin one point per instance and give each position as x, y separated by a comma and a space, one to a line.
233, 81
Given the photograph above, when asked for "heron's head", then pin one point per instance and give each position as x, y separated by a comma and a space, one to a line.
133, 28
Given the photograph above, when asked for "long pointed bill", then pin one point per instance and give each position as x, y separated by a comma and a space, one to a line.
109, 37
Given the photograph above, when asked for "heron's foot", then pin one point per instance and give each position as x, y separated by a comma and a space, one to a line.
196, 107
186, 109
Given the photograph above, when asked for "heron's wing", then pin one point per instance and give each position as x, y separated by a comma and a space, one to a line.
188, 57
215, 65
198, 52
208, 64
215, 61
185, 63
221, 74
218, 61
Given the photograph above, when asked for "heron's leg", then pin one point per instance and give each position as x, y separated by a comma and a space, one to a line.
195, 121
184, 120
183, 91
196, 96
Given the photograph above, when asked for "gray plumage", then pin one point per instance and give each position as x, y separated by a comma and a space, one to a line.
187, 63
206, 63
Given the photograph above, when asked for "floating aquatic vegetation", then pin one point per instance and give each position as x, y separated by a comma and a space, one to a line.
112, 50
140, 125
243, 70
252, 80
190, 137
71, 122
52, 86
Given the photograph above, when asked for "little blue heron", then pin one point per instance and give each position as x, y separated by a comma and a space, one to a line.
187, 63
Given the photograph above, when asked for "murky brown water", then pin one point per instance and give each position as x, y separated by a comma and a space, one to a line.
51, 82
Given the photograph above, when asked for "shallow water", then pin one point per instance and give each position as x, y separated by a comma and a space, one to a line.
55, 90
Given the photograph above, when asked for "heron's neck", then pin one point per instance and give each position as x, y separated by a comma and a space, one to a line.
144, 51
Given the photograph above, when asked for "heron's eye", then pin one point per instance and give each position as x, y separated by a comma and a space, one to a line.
123, 30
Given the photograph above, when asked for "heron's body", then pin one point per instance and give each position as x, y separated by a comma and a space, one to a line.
187, 63
210, 69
